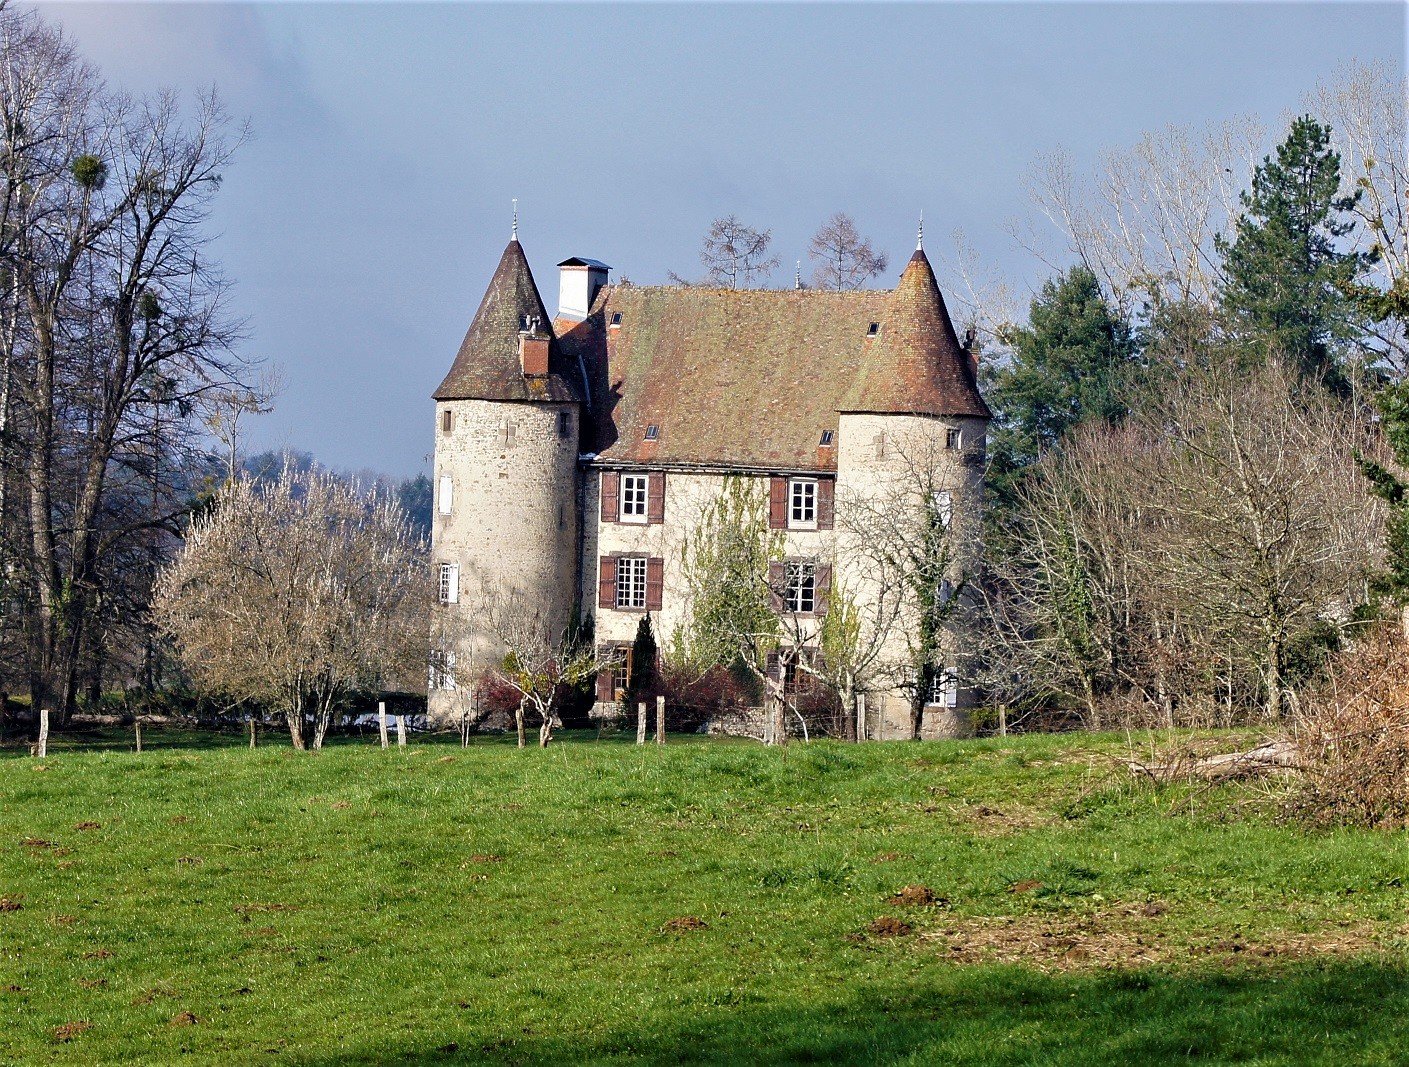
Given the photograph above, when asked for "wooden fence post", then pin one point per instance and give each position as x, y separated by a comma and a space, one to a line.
43, 751
860, 716
641, 723
660, 720
401, 731
137, 728
252, 742
381, 721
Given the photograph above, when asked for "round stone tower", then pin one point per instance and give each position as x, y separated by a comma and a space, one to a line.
505, 530
912, 445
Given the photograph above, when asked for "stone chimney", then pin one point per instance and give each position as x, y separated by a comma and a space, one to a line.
579, 281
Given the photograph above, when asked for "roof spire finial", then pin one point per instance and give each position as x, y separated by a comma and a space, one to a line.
515, 235
920, 237
797, 275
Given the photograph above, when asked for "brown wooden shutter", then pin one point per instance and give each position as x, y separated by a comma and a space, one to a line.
655, 582
606, 583
778, 504
777, 579
821, 586
826, 503
611, 495
604, 684
655, 497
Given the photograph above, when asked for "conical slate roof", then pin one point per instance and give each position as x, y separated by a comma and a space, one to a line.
916, 365
487, 366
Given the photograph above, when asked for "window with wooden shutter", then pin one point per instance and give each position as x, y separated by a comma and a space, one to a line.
778, 504
633, 498
606, 582
450, 583
777, 581
655, 498
611, 495
655, 583
604, 685
822, 585
631, 581
826, 503
447, 493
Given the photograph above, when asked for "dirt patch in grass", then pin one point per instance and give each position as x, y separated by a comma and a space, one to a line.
446, 759
67, 1031
63, 920
12, 988
1134, 937
916, 896
177, 820
340, 805
10, 904
36, 842
100, 954
889, 926
88, 825
486, 857
185, 1018
1028, 885
683, 924
1010, 819
92, 983
151, 996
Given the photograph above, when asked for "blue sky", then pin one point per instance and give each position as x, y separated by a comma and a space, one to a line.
364, 217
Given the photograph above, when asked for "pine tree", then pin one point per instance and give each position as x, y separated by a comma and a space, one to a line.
642, 684
1074, 361
1284, 294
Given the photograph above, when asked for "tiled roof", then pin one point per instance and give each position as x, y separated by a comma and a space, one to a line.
917, 364
487, 366
751, 378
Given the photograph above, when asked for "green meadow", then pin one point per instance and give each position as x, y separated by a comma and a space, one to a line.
996, 902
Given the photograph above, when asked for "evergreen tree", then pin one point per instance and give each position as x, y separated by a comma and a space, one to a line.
1393, 405
643, 683
1286, 282
1074, 361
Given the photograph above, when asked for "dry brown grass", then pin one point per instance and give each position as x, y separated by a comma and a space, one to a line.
1353, 738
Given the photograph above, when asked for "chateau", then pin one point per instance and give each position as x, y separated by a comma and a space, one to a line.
576, 453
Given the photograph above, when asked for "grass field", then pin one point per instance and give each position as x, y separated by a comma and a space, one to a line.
708, 902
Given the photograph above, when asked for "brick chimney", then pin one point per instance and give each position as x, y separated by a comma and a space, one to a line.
533, 349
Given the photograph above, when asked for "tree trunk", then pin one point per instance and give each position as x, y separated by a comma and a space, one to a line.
518, 721
295, 720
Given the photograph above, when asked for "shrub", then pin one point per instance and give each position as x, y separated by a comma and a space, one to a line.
1352, 737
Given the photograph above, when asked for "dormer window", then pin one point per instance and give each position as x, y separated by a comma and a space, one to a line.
652, 432
826, 439
616, 318
875, 329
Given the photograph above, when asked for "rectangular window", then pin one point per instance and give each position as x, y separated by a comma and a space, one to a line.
944, 507
447, 493
442, 672
953, 438
631, 582
447, 421
565, 424
633, 497
800, 588
945, 689
621, 672
450, 583
802, 510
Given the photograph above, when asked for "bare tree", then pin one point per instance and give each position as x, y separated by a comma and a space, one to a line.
297, 595
846, 260
541, 663
734, 253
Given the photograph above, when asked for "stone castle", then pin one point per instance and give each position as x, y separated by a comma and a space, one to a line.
575, 454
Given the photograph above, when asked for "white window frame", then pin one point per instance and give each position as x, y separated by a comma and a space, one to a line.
944, 504
635, 494
631, 583
447, 494
953, 438
802, 504
442, 670
944, 690
800, 587
449, 583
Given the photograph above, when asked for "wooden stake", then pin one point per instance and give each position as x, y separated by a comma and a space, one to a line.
860, 716
251, 731
641, 723
401, 731
1002, 720
137, 728
381, 722
660, 720
43, 750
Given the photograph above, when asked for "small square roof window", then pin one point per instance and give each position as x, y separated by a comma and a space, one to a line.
875, 329
826, 439
652, 432
616, 318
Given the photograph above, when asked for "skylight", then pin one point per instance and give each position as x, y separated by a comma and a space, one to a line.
652, 432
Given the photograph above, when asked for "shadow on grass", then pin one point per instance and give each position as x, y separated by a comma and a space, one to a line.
1308, 1013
